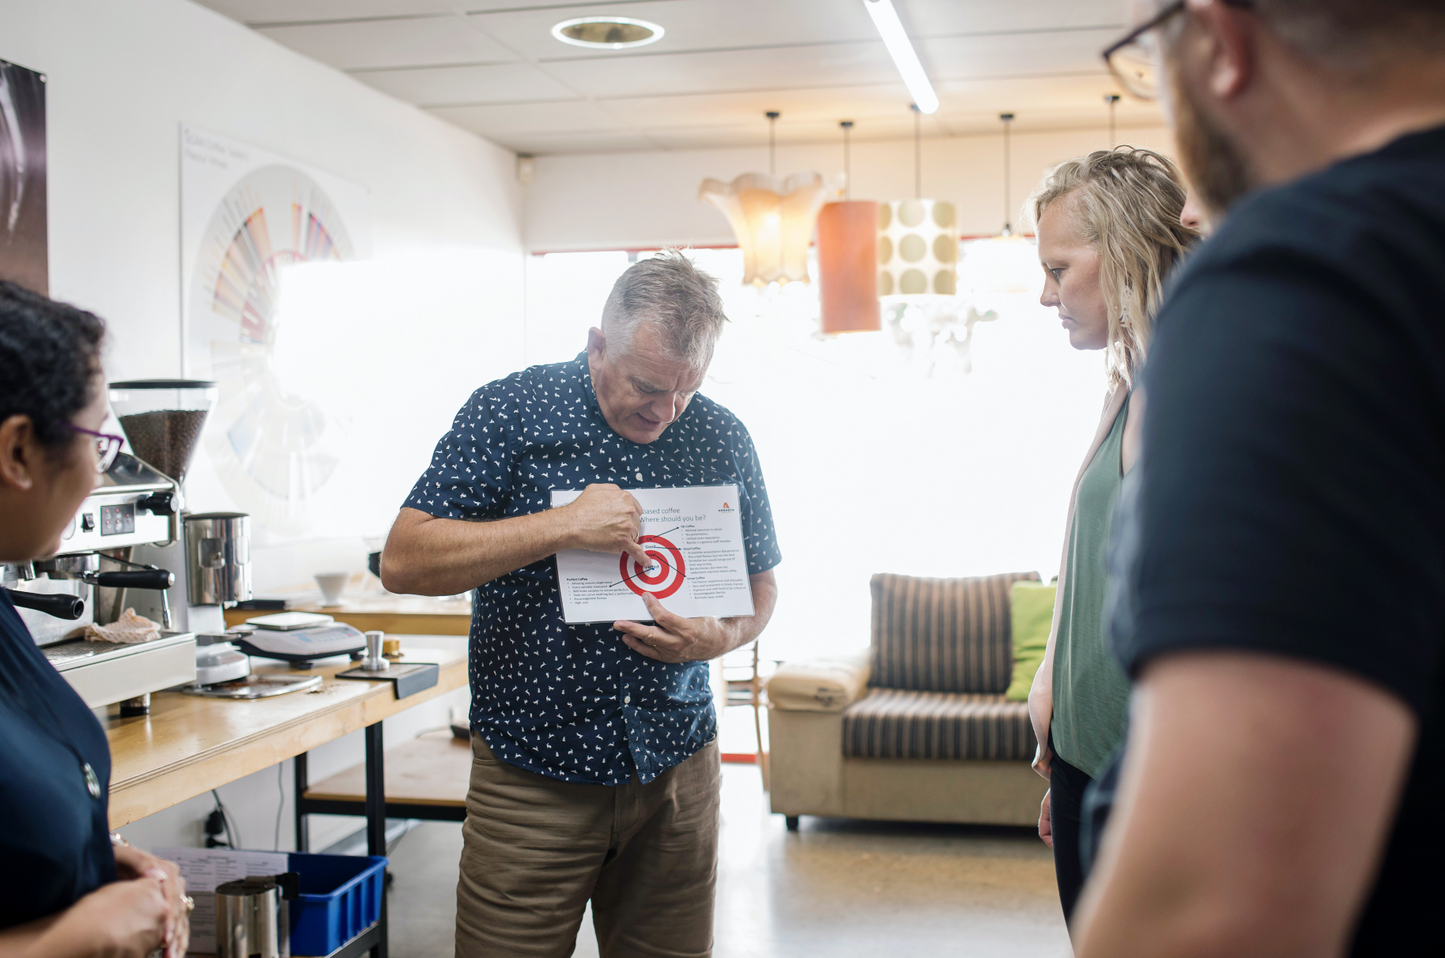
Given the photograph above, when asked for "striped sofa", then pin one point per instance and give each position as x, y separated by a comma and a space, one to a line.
918, 729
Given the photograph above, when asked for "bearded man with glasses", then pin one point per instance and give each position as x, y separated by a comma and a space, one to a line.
1278, 580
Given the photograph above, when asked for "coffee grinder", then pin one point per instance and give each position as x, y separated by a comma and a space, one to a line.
211, 558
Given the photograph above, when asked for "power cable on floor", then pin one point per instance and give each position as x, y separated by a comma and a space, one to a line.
227, 822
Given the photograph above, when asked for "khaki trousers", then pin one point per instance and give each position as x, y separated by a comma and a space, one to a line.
536, 850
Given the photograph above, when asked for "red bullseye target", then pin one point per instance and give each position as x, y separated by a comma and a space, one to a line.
669, 575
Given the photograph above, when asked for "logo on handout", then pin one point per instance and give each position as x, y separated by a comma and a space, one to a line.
726, 508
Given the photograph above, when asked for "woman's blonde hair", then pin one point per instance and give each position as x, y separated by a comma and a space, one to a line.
1126, 204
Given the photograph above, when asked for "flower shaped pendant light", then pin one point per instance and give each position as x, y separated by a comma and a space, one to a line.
772, 219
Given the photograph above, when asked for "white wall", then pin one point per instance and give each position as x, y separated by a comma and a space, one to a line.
122, 78
641, 200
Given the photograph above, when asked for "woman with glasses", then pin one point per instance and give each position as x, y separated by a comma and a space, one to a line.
1109, 232
70, 890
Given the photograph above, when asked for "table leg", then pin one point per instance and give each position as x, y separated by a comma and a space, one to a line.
376, 817
303, 833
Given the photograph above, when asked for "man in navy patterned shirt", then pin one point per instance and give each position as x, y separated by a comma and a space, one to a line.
596, 771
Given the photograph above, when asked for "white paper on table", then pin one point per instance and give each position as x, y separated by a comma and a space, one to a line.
204, 869
694, 533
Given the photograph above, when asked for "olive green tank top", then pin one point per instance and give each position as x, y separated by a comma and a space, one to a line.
1091, 692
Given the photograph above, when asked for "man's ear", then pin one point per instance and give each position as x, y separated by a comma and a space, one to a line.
1226, 39
18, 450
596, 343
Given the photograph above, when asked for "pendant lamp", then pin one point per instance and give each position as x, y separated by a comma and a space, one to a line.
917, 239
848, 258
771, 218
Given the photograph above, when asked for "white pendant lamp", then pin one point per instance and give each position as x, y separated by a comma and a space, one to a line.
917, 239
772, 219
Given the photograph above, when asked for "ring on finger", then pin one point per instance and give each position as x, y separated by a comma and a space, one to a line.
189, 902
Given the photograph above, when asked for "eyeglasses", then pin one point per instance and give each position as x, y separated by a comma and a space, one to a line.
1136, 60
107, 446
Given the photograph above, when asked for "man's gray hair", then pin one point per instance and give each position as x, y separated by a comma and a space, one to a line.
674, 298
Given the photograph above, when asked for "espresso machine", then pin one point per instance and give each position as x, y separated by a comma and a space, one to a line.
88, 581
132, 545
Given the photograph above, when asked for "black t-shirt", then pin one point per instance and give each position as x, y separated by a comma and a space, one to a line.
54, 837
1291, 495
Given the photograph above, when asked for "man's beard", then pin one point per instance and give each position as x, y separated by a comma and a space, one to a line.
1213, 163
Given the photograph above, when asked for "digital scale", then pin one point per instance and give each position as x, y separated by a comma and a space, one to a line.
299, 637
223, 664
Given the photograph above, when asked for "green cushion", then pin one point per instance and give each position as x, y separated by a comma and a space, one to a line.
1032, 607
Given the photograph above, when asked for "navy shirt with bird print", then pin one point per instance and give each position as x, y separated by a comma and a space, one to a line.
572, 701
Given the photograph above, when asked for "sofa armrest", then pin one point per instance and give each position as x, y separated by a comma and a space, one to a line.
819, 685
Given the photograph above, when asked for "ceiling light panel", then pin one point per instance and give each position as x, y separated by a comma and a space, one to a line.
905, 58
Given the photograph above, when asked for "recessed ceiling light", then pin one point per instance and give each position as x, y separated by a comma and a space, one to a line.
607, 33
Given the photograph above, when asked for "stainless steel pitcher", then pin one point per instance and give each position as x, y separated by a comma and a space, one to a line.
253, 918
218, 558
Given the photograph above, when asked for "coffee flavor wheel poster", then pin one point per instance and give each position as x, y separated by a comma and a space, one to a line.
24, 255
247, 217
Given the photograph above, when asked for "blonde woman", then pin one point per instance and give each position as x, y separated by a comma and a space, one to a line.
1109, 232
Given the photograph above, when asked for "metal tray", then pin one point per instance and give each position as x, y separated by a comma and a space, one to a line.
255, 686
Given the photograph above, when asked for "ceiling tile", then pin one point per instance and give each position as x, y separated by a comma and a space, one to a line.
932, 18
443, 86
505, 119
731, 70
541, 144
1040, 54
862, 104
291, 11
1030, 98
415, 41
732, 136
720, 66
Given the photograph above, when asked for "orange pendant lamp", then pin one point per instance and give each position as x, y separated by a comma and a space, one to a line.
848, 258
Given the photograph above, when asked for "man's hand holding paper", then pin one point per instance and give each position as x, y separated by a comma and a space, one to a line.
606, 518
673, 638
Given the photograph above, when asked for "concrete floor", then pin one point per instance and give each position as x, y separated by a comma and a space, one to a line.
835, 888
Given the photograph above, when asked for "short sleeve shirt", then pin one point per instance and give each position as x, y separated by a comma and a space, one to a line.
1290, 497
572, 701
54, 835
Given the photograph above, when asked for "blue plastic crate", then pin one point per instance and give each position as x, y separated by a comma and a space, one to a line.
340, 898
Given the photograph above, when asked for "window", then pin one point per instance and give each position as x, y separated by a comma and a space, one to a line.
877, 458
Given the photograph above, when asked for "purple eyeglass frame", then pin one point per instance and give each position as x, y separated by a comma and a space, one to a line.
112, 449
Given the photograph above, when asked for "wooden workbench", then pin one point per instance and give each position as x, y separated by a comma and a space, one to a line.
402, 614
189, 745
